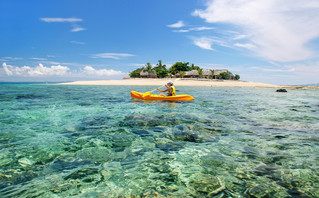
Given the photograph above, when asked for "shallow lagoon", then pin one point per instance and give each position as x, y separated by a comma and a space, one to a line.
95, 141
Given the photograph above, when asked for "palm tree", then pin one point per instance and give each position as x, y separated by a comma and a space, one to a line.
181, 74
213, 73
148, 67
200, 72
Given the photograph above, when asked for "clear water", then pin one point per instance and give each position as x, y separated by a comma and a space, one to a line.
95, 141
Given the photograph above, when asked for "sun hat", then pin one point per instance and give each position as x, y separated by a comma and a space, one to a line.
169, 82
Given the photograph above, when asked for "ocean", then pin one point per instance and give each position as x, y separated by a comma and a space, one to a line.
95, 141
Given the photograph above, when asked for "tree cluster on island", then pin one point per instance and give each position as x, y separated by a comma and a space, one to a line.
178, 69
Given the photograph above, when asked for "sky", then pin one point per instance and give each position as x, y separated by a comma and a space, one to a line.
269, 41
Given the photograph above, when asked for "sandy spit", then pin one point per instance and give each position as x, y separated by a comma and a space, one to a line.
177, 82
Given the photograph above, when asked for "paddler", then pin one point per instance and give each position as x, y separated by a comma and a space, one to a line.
170, 89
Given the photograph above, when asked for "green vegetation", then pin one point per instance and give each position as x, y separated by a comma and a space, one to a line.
161, 70
225, 75
179, 68
136, 73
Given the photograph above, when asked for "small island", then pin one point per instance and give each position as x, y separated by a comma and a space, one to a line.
181, 70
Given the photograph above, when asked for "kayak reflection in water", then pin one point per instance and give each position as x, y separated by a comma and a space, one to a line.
170, 89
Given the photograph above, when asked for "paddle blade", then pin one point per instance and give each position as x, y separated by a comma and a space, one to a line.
146, 94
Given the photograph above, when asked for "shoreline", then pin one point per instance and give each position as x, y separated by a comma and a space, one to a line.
183, 82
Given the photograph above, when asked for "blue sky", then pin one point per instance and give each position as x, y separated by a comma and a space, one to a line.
271, 41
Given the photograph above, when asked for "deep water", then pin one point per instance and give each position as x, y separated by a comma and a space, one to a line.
95, 141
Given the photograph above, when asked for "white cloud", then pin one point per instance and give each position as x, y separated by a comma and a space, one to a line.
10, 58
62, 71
77, 42
101, 72
60, 20
182, 30
116, 56
204, 43
35, 71
202, 28
194, 29
39, 59
280, 30
245, 45
179, 24
75, 27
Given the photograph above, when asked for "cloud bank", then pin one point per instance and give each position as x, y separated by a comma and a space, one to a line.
60, 71
35, 71
276, 30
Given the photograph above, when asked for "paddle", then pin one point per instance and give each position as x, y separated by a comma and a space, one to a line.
149, 92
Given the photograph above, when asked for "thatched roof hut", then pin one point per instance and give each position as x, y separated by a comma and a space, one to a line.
145, 74
207, 73
191, 74
218, 71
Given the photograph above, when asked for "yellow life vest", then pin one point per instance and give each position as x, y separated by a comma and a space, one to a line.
173, 92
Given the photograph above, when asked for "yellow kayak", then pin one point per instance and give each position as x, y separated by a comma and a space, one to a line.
183, 97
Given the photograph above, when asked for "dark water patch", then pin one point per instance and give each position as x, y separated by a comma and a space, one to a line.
190, 136
130, 162
83, 104
6, 98
158, 129
262, 190
120, 142
16, 178
94, 154
113, 100
95, 123
297, 194
153, 121
263, 170
280, 136
141, 132
80, 174
213, 161
251, 152
170, 146
29, 97
60, 165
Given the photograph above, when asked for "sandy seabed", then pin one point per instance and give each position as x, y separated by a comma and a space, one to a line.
177, 82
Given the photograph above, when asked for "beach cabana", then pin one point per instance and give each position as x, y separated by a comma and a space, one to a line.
191, 74
145, 74
218, 71
207, 73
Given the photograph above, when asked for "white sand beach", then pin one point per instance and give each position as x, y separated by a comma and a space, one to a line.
177, 82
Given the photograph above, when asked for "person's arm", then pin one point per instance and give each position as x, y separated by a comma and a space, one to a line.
162, 90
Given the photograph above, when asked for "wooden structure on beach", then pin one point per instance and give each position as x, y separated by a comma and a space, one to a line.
218, 71
207, 73
191, 74
146, 74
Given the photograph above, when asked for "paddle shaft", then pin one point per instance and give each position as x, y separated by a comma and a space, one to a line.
157, 88
149, 92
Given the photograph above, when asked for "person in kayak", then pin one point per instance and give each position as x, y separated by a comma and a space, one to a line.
170, 89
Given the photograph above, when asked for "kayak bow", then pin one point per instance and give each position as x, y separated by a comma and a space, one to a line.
183, 97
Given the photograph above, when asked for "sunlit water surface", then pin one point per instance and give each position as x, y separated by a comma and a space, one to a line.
95, 141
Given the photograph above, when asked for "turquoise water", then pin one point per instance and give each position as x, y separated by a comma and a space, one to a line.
95, 141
